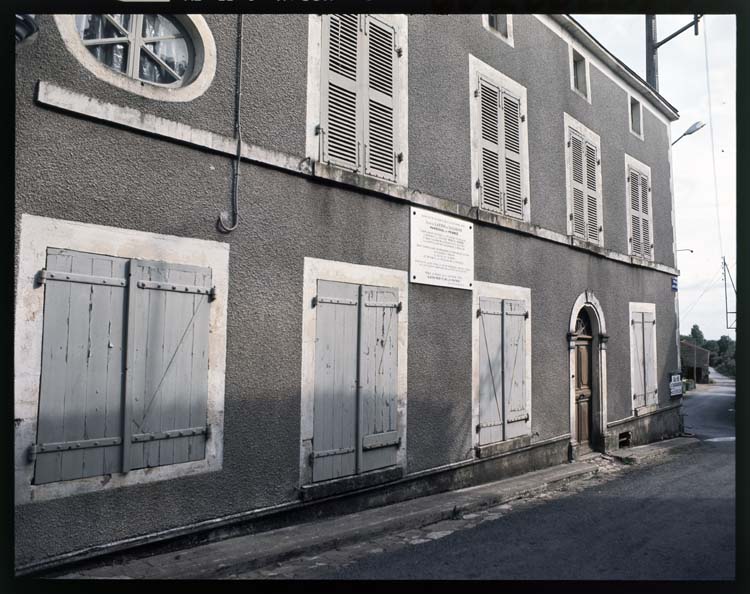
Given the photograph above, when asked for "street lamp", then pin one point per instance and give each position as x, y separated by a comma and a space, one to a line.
691, 130
685, 249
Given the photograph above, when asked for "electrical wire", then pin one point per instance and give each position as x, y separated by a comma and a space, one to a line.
707, 287
711, 132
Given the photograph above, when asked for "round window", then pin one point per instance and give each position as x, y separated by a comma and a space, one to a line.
150, 47
167, 57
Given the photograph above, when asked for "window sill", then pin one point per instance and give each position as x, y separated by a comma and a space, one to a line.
502, 447
581, 95
350, 483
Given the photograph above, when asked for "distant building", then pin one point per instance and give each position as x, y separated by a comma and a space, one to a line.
694, 361
170, 377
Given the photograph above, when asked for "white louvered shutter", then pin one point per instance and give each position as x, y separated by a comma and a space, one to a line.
490, 176
637, 370
578, 190
593, 191
339, 90
640, 218
380, 108
512, 130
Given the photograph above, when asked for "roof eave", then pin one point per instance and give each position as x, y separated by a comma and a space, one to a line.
620, 68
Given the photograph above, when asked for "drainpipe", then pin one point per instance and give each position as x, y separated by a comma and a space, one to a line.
222, 223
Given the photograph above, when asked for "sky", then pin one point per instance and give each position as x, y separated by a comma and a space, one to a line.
682, 82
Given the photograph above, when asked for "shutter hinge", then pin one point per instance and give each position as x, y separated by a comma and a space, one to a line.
400, 157
525, 315
476, 92
635, 396
598, 161
314, 301
601, 228
628, 179
569, 144
319, 130
649, 189
479, 183
41, 277
399, 52
479, 314
570, 216
212, 294
525, 200
523, 118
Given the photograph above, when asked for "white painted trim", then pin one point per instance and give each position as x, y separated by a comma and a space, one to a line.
640, 136
316, 269
314, 110
605, 69
633, 308
633, 163
36, 235
478, 68
588, 135
68, 101
586, 62
313, 149
509, 25
671, 200
496, 291
589, 300
204, 61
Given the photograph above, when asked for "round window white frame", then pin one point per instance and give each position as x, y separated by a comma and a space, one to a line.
203, 69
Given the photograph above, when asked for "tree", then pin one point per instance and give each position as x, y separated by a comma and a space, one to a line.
697, 335
724, 344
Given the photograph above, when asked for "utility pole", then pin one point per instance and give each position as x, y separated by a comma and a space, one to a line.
652, 59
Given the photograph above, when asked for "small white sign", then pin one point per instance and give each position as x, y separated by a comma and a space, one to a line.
442, 250
675, 385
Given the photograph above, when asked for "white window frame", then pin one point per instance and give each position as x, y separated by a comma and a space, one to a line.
314, 115
632, 162
632, 98
496, 33
571, 52
478, 68
204, 61
496, 291
633, 308
316, 269
592, 137
36, 235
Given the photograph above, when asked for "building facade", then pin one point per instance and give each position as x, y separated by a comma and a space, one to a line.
176, 373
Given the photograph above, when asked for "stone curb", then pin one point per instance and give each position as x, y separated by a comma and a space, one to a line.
653, 451
249, 552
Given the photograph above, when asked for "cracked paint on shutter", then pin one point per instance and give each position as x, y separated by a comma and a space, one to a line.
167, 388
379, 115
335, 392
378, 376
514, 368
82, 366
490, 371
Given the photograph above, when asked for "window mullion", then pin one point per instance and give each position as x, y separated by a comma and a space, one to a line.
134, 58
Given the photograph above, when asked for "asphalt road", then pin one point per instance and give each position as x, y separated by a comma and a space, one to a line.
673, 520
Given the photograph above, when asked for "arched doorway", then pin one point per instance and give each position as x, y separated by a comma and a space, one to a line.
587, 343
583, 381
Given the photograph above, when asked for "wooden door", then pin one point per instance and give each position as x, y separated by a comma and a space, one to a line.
583, 390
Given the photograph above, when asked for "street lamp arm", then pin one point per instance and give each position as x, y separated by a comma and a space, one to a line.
694, 23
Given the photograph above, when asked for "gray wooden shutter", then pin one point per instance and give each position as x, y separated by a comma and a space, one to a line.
512, 130
491, 403
167, 379
380, 111
593, 191
335, 392
79, 429
339, 88
490, 175
637, 369
378, 376
514, 368
578, 190
649, 358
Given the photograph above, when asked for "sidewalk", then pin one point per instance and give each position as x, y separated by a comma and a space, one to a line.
245, 553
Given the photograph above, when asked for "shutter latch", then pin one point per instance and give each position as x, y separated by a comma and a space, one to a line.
399, 52
523, 118
400, 157
479, 183
319, 130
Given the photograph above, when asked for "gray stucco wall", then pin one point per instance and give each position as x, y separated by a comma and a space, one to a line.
75, 169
